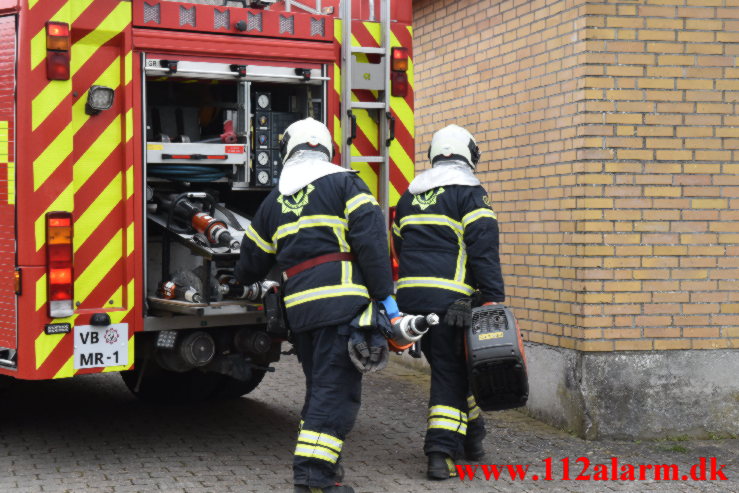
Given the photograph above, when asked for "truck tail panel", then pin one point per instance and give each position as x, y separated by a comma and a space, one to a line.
81, 163
8, 340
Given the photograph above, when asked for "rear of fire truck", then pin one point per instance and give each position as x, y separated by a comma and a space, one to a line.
137, 139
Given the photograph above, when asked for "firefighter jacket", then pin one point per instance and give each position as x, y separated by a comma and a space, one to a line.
335, 213
446, 239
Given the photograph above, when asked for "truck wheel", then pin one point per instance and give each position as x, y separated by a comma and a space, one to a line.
231, 388
164, 386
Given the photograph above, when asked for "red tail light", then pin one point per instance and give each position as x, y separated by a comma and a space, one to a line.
58, 42
399, 59
57, 36
399, 84
398, 76
59, 270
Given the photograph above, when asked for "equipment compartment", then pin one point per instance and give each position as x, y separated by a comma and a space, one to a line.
211, 156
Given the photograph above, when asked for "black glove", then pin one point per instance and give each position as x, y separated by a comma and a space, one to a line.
378, 351
368, 350
459, 314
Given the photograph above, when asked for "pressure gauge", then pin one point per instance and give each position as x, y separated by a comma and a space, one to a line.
263, 158
263, 101
262, 120
262, 177
263, 139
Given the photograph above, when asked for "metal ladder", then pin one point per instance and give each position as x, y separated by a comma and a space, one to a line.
375, 77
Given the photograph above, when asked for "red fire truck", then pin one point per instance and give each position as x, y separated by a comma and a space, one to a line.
136, 139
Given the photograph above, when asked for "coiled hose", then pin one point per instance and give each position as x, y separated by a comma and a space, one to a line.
188, 173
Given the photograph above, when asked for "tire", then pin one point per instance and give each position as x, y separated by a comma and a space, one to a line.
231, 388
163, 386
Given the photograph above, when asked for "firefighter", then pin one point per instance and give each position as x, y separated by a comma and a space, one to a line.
325, 231
446, 237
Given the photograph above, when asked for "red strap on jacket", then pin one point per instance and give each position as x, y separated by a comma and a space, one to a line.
322, 259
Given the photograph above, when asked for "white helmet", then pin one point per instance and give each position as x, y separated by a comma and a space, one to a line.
454, 142
307, 134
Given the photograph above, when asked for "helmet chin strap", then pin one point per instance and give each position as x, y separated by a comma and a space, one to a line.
452, 158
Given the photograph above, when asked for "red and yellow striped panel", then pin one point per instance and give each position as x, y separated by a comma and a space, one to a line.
83, 164
8, 334
402, 149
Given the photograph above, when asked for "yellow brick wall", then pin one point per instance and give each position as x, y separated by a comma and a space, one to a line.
610, 135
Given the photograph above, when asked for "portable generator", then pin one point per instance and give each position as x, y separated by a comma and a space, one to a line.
496, 363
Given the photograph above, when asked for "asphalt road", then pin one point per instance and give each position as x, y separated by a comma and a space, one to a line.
90, 434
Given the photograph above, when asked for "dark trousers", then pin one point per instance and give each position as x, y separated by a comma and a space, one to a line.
447, 431
333, 389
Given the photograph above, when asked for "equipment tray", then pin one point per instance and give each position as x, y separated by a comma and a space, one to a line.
227, 307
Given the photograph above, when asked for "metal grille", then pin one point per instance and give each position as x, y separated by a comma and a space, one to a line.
487, 319
151, 13
187, 16
221, 20
287, 24
317, 27
254, 22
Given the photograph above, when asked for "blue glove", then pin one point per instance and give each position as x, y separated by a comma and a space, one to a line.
391, 307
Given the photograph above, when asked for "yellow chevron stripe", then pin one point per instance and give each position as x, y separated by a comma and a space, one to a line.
32, 3
99, 268
337, 80
52, 157
117, 317
337, 89
368, 175
337, 132
67, 370
98, 152
404, 112
11, 183
48, 99
111, 26
38, 48
44, 345
367, 125
128, 68
64, 202
85, 224
40, 292
129, 240
129, 182
129, 124
374, 30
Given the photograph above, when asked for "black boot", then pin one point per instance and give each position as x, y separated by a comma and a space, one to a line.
441, 466
337, 488
474, 451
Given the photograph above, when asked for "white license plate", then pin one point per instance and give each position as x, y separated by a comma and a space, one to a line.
96, 347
